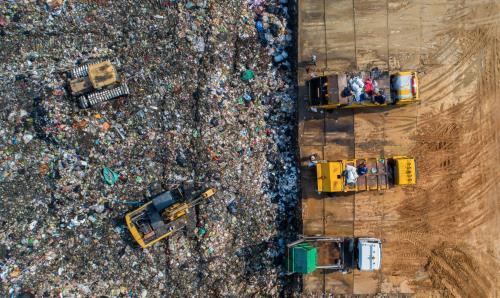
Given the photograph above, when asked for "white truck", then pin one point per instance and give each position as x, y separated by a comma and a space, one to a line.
369, 254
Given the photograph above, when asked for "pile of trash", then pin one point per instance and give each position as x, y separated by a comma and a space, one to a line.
212, 104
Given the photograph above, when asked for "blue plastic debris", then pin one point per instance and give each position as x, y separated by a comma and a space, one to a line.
259, 26
109, 176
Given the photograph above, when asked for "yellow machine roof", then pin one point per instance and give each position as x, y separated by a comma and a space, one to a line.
329, 176
80, 85
405, 171
102, 74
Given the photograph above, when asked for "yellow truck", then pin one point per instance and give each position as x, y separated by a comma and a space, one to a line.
161, 217
365, 174
94, 83
363, 89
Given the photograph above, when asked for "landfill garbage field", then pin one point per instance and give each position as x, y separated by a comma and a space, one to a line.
439, 236
205, 101
161, 148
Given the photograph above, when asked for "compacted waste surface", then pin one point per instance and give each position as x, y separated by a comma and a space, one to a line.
211, 104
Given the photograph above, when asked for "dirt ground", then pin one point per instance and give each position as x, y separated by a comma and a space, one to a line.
441, 236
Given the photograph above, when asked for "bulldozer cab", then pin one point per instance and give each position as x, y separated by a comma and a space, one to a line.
102, 74
80, 85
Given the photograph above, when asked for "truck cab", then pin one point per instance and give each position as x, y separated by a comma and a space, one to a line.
369, 254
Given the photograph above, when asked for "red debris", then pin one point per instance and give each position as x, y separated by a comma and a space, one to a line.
58, 92
3, 21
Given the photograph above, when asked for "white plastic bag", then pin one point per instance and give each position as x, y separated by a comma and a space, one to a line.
351, 174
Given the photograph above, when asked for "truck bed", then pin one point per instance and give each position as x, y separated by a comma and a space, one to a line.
337, 83
328, 253
375, 179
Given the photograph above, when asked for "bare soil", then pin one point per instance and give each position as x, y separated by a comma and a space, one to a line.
441, 236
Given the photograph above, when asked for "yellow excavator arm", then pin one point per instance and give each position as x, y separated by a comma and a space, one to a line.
179, 209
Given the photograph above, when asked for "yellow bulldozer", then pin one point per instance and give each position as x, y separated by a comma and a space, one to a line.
363, 89
164, 215
365, 174
95, 83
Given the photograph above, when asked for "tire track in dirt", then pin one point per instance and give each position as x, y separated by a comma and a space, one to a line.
453, 270
496, 123
460, 45
444, 215
442, 200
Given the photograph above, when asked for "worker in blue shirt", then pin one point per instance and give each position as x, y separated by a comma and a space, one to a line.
362, 169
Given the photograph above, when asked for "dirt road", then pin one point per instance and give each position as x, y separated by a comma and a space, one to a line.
441, 236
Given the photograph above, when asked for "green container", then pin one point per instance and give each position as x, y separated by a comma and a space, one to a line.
247, 75
302, 258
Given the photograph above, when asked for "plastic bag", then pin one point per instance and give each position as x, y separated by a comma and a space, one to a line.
351, 175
